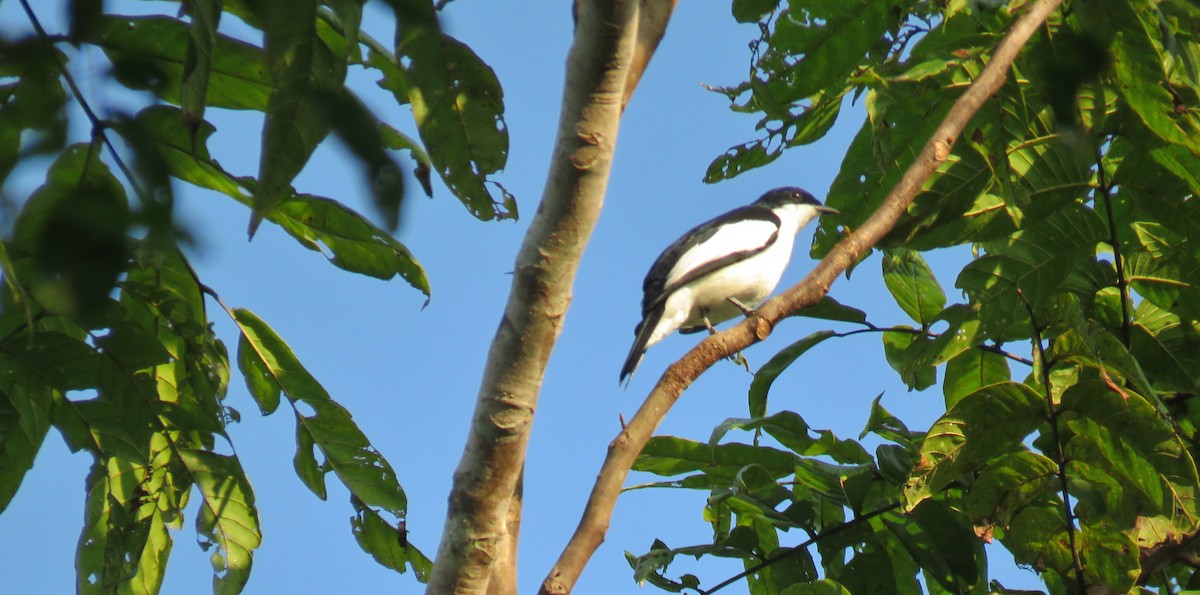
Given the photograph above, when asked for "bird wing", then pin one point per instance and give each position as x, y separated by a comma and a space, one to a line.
711, 246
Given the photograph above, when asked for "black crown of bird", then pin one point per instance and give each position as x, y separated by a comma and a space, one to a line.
721, 268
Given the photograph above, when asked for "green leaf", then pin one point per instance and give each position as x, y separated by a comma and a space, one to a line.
989, 422
1034, 262
913, 285
152, 53
887, 426
323, 225
348, 240
1166, 347
1138, 65
901, 349
815, 46
1091, 346
74, 226
794, 433
942, 543
459, 109
831, 309
305, 461
360, 130
259, 381
33, 116
227, 518
347, 451
1134, 419
387, 544
1037, 535
24, 422
198, 61
846, 485
1009, 483
667, 455
294, 123
1162, 267
821, 587
749, 11
124, 544
1136, 482
766, 375
970, 371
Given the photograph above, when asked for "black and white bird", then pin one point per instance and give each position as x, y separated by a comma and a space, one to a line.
721, 268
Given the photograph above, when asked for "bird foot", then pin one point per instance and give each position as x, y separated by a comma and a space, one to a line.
746, 310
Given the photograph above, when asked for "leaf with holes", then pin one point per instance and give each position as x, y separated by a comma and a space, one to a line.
227, 517
459, 108
347, 451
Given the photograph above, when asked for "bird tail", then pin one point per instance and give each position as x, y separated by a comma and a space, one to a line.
642, 332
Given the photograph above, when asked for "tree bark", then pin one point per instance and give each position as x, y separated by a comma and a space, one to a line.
485, 484
652, 19
623, 450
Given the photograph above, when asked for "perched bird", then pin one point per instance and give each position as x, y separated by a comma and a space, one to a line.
721, 268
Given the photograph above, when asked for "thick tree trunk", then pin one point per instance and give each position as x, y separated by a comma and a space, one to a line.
488, 474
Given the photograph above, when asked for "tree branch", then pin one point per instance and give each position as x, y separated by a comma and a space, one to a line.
652, 25
624, 449
487, 476
1056, 436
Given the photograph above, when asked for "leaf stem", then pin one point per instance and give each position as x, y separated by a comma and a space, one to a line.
1061, 461
1103, 190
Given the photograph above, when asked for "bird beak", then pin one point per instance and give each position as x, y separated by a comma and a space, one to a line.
828, 211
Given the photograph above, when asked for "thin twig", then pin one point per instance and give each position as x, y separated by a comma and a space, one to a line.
98, 125
1104, 191
623, 450
798, 548
1060, 456
932, 335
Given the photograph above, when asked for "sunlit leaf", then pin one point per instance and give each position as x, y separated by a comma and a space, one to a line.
666, 455
970, 371
467, 139
346, 238
793, 432
989, 422
387, 544
347, 451
227, 517
766, 375
913, 285
151, 52
294, 124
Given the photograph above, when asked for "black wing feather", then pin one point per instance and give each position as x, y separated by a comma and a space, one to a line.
655, 290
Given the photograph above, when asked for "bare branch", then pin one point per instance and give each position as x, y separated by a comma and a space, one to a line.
652, 24
624, 449
486, 480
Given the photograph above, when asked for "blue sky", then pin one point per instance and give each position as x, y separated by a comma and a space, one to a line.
410, 375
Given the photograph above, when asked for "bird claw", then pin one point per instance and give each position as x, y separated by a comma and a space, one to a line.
746, 310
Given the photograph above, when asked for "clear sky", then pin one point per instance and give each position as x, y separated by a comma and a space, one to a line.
410, 375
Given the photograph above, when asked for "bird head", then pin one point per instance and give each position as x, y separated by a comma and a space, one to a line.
790, 195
